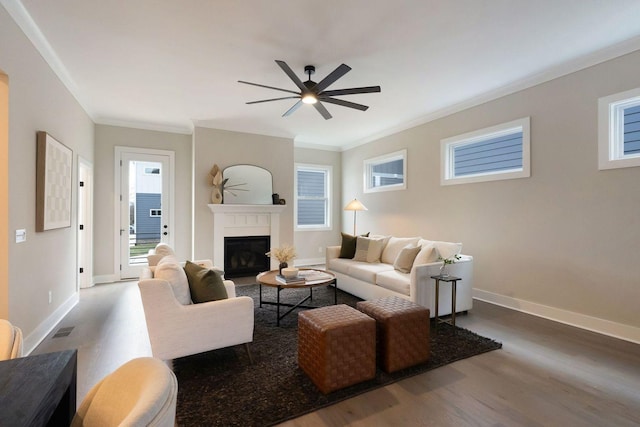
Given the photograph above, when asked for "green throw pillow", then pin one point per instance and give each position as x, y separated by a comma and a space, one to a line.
348, 248
204, 284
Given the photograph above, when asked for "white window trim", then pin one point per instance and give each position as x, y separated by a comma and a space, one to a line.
448, 144
329, 174
366, 175
611, 130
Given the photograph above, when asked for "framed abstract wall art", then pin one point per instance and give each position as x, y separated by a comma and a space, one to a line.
54, 163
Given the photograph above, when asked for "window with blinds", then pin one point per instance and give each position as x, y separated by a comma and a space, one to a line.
619, 130
498, 152
631, 131
387, 172
312, 197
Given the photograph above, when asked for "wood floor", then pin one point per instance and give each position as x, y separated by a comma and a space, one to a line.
546, 374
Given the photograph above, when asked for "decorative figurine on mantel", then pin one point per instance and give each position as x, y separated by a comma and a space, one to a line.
216, 181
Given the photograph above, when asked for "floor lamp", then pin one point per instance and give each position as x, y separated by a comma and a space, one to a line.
355, 205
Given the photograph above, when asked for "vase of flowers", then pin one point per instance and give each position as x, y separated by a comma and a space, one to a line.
444, 269
284, 254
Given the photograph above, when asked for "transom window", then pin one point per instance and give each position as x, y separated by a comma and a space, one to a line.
494, 153
387, 172
312, 189
619, 130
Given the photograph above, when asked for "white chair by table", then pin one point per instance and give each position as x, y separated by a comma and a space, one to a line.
10, 341
177, 330
142, 392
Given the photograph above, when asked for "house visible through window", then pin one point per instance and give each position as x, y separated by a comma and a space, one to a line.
155, 212
312, 200
152, 171
619, 130
498, 152
386, 172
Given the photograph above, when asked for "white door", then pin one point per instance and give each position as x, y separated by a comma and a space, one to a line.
146, 178
85, 223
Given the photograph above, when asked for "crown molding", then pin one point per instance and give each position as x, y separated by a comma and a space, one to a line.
23, 19
185, 130
566, 68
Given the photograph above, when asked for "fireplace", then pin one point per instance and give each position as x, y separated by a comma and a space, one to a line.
245, 256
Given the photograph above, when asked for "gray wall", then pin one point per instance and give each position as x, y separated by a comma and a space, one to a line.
226, 148
564, 240
307, 243
47, 260
107, 138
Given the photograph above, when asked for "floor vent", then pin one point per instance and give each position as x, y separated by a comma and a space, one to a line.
63, 332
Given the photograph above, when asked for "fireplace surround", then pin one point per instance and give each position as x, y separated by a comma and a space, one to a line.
245, 221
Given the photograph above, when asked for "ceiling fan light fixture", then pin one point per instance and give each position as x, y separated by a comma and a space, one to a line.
309, 99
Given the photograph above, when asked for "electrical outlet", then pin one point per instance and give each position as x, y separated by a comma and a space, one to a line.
319, 249
50, 297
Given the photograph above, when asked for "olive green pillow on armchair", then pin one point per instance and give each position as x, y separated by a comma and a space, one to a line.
204, 284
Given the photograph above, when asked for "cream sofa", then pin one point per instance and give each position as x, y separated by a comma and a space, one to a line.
370, 280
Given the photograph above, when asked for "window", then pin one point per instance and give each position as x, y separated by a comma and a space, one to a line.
386, 172
312, 189
155, 212
619, 130
490, 154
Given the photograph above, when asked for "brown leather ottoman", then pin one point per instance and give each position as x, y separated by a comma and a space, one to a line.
336, 346
402, 331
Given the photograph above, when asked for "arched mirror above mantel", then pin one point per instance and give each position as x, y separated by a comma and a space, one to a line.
247, 185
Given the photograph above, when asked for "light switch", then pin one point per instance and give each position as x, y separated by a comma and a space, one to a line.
21, 235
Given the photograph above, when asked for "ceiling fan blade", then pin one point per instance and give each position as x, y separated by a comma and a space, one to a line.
292, 109
345, 103
273, 99
332, 77
289, 72
322, 110
268, 87
351, 91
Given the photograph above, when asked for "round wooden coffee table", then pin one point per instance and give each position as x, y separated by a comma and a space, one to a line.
314, 278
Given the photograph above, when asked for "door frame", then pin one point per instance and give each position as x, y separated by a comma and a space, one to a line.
117, 199
85, 206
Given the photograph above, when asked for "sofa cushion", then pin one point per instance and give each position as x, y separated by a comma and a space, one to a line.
348, 247
204, 284
404, 260
447, 250
169, 269
340, 265
369, 249
394, 281
394, 246
367, 271
426, 255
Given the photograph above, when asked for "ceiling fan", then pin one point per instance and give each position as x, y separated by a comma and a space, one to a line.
315, 93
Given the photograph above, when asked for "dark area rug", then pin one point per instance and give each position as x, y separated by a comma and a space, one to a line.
222, 388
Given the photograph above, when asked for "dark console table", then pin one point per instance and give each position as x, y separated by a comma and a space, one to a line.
38, 390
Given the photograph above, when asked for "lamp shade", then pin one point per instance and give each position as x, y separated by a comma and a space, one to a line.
355, 205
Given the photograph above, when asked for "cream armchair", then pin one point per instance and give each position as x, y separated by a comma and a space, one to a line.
10, 341
177, 330
142, 392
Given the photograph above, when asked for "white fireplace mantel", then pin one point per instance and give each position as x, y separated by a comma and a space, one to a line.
244, 220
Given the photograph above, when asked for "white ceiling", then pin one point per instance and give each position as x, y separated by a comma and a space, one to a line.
174, 64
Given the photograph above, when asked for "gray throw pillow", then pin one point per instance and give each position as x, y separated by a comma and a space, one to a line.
204, 284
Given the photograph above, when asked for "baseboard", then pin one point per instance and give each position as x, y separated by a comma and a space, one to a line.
105, 278
594, 324
309, 261
43, 329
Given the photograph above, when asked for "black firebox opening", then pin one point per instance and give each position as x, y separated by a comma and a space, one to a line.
245, 256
